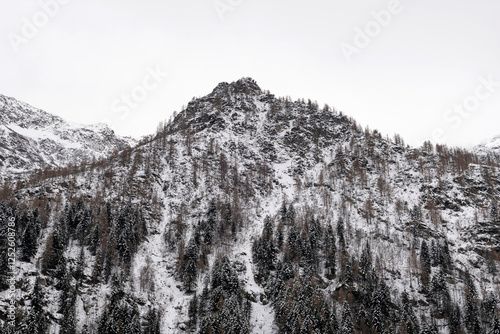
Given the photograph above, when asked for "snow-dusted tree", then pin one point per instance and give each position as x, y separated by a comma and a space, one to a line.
193, 312
330, 252
121, 314
29, 238
495, 328
280, 237
55, 247
152, 322
494, 216
282, 213
293, 243
189, 270
264, 251
455, 320
36, 319
439, 294
225, 310
425, 261
290, 215
365, 262
471, 319
408, 317
68, 308
341, 234
80, 265
346, 324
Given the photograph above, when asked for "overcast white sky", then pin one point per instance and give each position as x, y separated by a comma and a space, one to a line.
418, 61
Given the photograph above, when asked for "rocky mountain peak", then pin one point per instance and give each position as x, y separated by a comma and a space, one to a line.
247, 86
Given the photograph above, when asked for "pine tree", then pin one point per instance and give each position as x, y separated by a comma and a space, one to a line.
495, 328
189, 269
98, 267
470, 287
330, 252
193, 312
425, 257
55, 247
68, 323
4, 269
282, 213
439, 293
290, 215
122, 313
29, 239
365, 262
80, 266
152, 323
455, 320
334, 325
222, 309
280, 238
36, 320
415, 214
409, 318
346, 325
446, 255
264, 251
471, 315
293, 242
209, 225
341, 234
488, 306
426, 265
434, 254
67, 292
495, 218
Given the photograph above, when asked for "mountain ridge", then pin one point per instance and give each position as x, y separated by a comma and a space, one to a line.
34, 139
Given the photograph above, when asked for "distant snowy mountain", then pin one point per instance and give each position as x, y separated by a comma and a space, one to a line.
489, 148
31, 138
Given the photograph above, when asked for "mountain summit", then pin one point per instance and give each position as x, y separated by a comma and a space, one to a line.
246, 86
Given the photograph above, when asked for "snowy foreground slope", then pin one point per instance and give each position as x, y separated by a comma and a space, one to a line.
32, 139
249, 213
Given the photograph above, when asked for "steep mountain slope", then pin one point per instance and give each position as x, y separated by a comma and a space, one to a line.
32, 139
249, 213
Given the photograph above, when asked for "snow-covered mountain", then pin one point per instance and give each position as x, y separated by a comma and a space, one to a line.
249, 213
31, 139
489, 148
